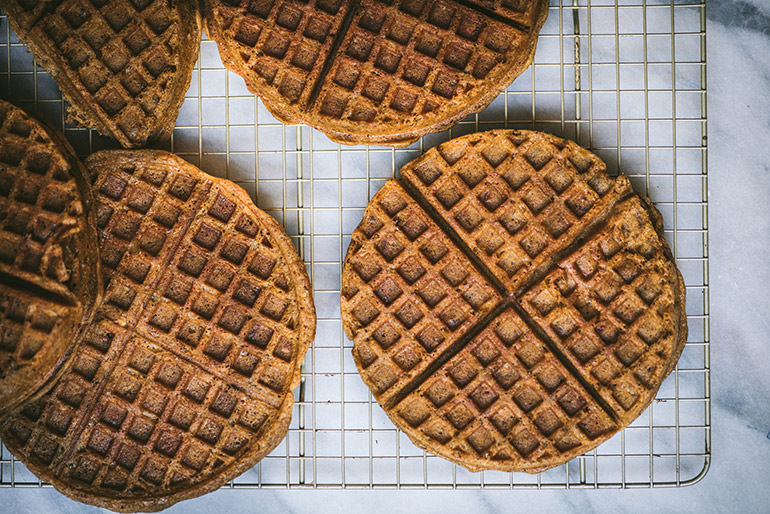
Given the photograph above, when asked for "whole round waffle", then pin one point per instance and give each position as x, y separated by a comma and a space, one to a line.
185, 378
376, 71
511, 305
49, 280
124, 65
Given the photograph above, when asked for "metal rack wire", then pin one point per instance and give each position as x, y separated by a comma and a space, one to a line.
625, 78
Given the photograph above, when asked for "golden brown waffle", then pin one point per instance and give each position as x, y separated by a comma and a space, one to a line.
582, 315
49, 278
185, 380
124, 65
376, 71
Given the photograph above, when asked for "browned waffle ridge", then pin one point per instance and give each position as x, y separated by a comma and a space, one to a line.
49, 279
376, 71
124, 65
511, 305
185, 378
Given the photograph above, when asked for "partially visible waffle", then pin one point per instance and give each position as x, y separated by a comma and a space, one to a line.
49, 279
376, 71
124, 65
185, 379
569, 346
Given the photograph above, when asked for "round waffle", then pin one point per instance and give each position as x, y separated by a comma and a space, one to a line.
48, 260
376, 71
512, 305
185, 378
124, 65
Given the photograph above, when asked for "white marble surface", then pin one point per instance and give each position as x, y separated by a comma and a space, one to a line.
739, 196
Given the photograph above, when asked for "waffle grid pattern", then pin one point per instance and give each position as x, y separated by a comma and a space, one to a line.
392, 75
123, 55
345, 439
508, 399
514, 201
426, 287
40, 201
25, 327
625, 298
31, 329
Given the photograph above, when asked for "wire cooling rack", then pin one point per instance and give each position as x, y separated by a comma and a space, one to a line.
625, 78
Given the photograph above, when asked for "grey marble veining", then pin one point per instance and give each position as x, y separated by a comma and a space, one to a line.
739, 206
